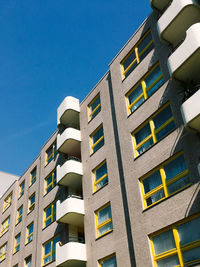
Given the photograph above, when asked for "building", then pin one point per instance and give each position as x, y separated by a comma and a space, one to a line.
118, 183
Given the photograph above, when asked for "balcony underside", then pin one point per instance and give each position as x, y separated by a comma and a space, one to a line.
175, 21
72, 218
73, 180
184, 63
159, 4
73, 263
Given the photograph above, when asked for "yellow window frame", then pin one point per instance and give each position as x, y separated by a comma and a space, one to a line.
137, 55
50, 253
98, 226
53, 154
17, 245
46, 187
4, 251
95, 183
28, 235
164, 184
52, 213
144, 88
33, 176
5, 225
100, 262
90, 113
7, 201
92, 145
19, 216
21, 189
152, 128
178, 250
31, 206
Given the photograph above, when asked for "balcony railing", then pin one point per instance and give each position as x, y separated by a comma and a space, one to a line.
178, 17
184, 62
71, 211
72, 254
68, 111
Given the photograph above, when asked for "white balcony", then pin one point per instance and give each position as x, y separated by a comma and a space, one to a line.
159, 4
70, 174
70, 211
69, 142
190, 110
68, 111
72, 254
184, 63
178, 17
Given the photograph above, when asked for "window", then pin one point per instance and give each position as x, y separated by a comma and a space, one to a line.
177, 245
100, 176
50, 214
17, 243
50, 182
31, 202
97, 139
137, 54
49, 250
94, 107
7, 201
21, 189
29, 233
154, 129
33, 176
5, 225
3, 251
28, 262
104, 220
109, 261
51, 153
19, 214
144, 88
164, 180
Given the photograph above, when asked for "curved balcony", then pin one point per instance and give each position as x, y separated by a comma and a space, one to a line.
72, 254
70, 211
159, 4
184, 63
190, 110
178, 17
70, 174
69, 142
68, 111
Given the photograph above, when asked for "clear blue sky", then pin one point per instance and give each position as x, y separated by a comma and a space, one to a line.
50, 49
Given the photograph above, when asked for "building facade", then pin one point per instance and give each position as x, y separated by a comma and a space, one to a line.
117, 184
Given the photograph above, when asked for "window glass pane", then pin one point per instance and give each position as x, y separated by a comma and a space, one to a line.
97, 135
163, 242
152, 181
95, 104
142, 133
55, 241
170, 261
111, 262
100, 144
101, 171
131, 69
178, 184
49, 180
175, 167
162, 117
192, 254
155, 197
165, 130
129, 60
102, 183
105, 228
144, 42
48, 212
134, 95
47, 248
146, 52
145, 146
151, 78
104, 214
190, 231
